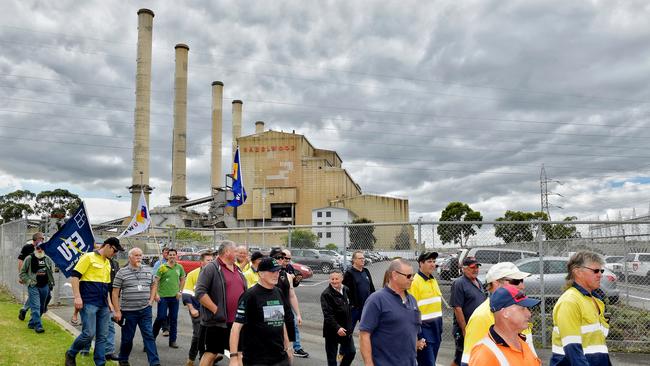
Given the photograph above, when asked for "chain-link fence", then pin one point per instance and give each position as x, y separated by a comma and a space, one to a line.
540, 248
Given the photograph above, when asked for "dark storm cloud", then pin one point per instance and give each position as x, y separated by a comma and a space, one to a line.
456, 101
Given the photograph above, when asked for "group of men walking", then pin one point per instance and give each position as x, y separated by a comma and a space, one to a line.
248, 306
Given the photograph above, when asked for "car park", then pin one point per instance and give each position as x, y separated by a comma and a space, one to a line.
317, 261
555, 272
332, 253
488, 256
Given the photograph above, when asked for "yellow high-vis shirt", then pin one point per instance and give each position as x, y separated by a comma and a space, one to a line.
252, 277
428, 296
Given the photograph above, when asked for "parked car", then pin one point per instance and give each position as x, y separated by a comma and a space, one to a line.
189, 261
555, 272
331, 252
615, 264
637, 265
448, 268
488, 256
311, 257
304, 270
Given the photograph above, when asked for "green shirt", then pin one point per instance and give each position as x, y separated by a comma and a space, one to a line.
169, 284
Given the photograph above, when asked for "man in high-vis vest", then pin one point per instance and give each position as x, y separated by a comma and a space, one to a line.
580, 327
504, 344
427, 293
482, 318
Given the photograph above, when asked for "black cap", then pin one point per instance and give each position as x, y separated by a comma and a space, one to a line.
268, 265
469, 261
256, 255
114, 242
427, 255
276, 252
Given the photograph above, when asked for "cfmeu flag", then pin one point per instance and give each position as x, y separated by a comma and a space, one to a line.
237, 183
140, 221
71, 241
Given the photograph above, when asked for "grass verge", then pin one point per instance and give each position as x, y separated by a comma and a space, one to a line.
22, 346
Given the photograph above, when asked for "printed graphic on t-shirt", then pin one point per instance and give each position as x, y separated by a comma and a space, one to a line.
273, 313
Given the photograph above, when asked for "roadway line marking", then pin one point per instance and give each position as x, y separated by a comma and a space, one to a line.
314, 284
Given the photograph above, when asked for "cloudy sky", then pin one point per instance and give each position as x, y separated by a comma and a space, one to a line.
434, 101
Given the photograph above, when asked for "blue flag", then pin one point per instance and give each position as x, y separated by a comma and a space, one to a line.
237, 183
71, 241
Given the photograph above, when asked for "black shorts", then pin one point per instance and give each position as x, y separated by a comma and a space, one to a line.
460, 344
215, 339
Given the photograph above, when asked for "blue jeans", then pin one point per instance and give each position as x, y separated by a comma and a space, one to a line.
296, 344
165, 305
94, 324
36, 301
142, 319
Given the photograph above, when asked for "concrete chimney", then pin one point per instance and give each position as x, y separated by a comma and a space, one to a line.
236, 123
259, 127
217, 131
140, 174
179, 148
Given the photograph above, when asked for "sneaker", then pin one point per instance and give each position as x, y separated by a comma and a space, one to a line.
39, 330
69, 360
173, 345
165, 333
300, 353
21, 314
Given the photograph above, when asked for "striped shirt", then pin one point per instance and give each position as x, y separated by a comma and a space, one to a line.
135, 283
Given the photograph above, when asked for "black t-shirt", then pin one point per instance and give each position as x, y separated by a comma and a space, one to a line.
261, 311
38, 266
26, 250
285, 288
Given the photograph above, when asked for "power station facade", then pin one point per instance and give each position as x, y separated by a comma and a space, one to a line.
285, 176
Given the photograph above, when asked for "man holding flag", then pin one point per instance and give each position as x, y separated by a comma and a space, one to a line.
237, 183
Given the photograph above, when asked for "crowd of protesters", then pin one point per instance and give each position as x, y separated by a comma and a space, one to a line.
245, 306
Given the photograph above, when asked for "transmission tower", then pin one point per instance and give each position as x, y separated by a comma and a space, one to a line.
544, 193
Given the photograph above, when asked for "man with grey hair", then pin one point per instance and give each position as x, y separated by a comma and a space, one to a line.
134, 290
218, 288
243, 258
580, 326
391, 321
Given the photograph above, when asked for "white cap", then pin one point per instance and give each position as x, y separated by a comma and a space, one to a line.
505, 270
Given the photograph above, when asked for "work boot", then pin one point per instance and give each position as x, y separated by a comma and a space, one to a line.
21, 314
69, 360
165, 333
173, 345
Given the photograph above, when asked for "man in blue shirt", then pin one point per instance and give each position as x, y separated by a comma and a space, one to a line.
391, 321
466, 295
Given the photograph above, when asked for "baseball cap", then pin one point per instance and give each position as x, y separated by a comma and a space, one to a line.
469, 261
510, 295
276, 252
505, 270
427, 255
256, 255
268, 265
114, 242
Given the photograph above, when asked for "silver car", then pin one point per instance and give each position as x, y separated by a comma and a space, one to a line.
555, 271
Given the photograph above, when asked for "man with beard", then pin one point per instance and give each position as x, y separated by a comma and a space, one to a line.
26, 250
38, 275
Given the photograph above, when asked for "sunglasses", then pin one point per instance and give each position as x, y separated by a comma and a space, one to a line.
287, 258
278, 257
513, 281
594, 270
408, 276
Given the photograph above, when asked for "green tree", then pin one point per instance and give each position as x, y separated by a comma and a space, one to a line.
56, 203
191, 235
561, 231
362, 237
331, 246
402, 239
458, 233
12, 205
301, 239
519, 232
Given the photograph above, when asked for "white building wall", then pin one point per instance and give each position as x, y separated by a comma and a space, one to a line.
324, 218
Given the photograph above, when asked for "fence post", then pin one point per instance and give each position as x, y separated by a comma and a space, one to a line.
420, 247
289, 238
540, 249
345, 246
627, 281
173, 237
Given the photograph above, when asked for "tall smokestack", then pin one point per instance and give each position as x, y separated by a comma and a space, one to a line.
179, 149
259, 127
236, 123
217, 130
140, 174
